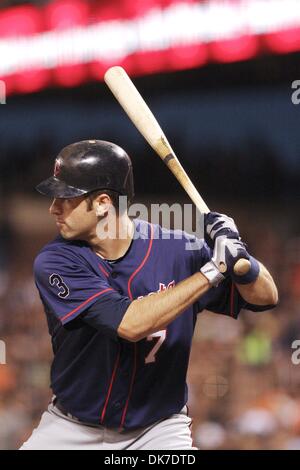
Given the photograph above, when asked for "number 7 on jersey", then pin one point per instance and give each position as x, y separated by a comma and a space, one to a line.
161, 335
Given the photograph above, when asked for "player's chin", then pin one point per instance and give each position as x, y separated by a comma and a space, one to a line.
71, 235
66, 233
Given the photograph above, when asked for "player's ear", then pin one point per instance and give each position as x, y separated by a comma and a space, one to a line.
102, 204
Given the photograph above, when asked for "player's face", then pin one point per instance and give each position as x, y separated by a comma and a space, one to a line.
73, 218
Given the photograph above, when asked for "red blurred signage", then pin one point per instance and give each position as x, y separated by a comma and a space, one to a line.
68, 42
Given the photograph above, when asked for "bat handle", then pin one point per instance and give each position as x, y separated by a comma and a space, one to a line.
241, 267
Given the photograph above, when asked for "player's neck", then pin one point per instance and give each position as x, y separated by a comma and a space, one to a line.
116, 245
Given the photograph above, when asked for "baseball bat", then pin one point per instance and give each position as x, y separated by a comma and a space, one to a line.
138, 111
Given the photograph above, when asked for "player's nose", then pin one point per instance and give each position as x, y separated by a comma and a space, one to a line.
56, 207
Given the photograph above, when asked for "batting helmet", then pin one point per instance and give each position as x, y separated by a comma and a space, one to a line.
85, 166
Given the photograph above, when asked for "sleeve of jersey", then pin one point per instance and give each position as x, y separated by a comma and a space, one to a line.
224, 299
69, 288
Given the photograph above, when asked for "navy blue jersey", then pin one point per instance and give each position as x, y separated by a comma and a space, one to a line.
97, 376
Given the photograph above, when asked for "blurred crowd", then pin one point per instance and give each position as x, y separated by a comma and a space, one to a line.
244, 375
244, 380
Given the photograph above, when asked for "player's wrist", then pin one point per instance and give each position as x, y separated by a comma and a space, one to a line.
250, 276
212, 273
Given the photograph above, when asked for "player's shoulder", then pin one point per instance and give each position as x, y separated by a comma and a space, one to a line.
59, 251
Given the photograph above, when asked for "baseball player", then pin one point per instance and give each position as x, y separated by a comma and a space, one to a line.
121, 310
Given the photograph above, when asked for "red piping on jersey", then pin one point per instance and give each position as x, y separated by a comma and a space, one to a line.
232, 300
131, 386
135, 344
103, 270
142, 263
86, 302
110, 387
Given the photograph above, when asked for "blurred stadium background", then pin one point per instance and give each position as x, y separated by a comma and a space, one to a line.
219, 77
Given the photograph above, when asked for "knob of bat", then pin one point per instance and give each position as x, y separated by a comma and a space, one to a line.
241, 267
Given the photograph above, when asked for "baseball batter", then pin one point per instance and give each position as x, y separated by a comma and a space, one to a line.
121, 311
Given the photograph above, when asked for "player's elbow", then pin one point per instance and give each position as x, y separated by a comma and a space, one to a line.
271, 293
132, 328
273, 298
268, 297
262, 292
269, 289
127, 333
129, 330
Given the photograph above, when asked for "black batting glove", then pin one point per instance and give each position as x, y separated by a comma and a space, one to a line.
227, 252
217, 225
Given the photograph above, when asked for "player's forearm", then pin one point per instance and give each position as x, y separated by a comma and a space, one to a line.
153, 313
263, 291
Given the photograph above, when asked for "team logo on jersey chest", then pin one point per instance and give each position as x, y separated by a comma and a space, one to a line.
162, 287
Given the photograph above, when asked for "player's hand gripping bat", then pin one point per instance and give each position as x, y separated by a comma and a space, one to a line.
133, 104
